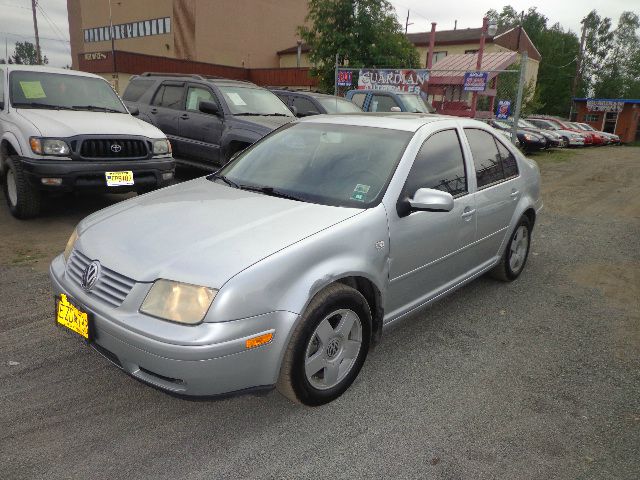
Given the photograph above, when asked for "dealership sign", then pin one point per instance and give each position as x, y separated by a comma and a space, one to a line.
398, 80
504, 109
475, 81
344, 78
604, 106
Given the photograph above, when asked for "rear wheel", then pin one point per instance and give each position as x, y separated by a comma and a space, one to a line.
328, 347
516, 254
23, 199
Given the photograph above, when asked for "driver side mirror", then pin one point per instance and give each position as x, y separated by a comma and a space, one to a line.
430, 200
209, 107
395, 109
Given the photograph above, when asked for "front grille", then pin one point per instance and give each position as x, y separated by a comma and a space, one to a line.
111, 287
113, 148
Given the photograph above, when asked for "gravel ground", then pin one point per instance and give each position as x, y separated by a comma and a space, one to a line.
535, 379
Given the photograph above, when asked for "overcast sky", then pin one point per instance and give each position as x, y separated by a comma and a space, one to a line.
16, 22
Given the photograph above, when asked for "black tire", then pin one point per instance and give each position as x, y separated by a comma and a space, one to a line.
503, 270
27, 201
292, 382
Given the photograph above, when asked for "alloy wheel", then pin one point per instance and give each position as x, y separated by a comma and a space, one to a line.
519, 247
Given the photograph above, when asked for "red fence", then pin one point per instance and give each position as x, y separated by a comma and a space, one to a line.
137, 63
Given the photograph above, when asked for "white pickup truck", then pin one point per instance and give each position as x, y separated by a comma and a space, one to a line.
63, 130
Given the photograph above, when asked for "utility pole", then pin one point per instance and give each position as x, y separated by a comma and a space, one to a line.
113, 50
406, 25
35, 28
574, 87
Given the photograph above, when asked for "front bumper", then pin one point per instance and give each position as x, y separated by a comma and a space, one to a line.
576, 142
209, 359
90, 174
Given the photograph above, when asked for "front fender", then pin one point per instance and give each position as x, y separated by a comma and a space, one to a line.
290, 278
11, 138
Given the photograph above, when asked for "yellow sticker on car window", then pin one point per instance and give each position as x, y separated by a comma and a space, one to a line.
32, 89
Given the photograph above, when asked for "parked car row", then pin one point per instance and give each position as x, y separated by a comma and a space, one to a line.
573, 131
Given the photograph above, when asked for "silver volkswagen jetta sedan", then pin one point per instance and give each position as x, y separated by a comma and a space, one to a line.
283, 268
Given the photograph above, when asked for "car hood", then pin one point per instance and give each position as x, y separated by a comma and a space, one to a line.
67, 123
199, 232
263, 124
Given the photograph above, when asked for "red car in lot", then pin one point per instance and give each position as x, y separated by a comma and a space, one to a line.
589, 138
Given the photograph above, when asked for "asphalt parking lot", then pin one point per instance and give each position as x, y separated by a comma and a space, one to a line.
537, 379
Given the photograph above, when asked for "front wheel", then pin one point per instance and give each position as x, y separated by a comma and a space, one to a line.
515, 255
328, 347
23, 199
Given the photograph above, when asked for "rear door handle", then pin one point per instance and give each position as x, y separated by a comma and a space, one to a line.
468, 213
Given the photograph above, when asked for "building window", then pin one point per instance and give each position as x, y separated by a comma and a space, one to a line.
591, 117
157, 26
437, 56
471, 51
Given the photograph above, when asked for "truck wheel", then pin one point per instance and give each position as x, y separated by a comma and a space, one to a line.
23, 199
327, 348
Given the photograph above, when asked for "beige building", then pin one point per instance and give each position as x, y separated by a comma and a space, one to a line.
236, 33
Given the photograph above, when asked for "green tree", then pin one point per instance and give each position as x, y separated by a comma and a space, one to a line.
25, 54
363, 33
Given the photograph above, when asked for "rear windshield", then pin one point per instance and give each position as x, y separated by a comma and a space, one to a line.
31, 89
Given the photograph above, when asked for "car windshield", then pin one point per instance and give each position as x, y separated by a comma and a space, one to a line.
254, 101
524, 124
415, 104
586, 126
544, 124
503, 125
338, 165
338, 105
32, 89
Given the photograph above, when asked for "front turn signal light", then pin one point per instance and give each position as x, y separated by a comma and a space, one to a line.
259, 340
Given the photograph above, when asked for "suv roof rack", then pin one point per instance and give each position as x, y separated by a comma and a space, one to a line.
168, 74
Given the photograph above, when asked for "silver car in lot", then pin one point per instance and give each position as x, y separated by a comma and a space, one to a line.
284, 267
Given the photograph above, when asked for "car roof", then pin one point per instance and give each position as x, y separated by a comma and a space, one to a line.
307, 93
409, 122
373, 90
39, 68
220, 81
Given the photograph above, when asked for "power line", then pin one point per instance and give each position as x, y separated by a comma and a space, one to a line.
32, 36
54, 27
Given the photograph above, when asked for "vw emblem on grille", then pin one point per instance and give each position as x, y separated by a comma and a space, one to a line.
115, 148
90, 275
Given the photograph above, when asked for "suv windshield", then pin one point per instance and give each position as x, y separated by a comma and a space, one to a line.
30, 89
254, 101
338, 105
415, 104
338, 165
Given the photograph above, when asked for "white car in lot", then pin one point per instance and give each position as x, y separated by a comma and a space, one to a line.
283, 268
63, 130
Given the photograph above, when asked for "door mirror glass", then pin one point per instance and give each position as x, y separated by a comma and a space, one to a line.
430, 200
207, 106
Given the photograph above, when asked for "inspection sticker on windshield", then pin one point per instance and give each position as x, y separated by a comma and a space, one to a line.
360, 192
32, 90
119, 179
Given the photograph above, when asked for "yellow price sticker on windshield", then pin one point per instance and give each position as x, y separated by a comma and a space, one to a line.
32, 89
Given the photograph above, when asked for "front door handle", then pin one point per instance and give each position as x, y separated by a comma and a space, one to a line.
468, 213
184, 116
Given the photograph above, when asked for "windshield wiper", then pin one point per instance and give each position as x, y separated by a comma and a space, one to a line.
226, 180
253, 114
41, 105
272, 192
276, 115
93, 108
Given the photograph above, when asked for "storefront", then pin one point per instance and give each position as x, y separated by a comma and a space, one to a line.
614, 115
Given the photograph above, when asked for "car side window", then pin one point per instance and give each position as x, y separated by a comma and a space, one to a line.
169, 96
195, 95
284, 98
304, 106
136, 89
509, 163
439, 165
486, 158
382, 103
358, 99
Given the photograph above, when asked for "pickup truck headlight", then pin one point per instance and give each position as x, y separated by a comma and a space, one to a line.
178, 302
161, 147
70, 244
49, 146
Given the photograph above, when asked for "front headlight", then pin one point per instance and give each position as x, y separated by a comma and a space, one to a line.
70, 243
178, 302
161, 147
528, 137
49, 146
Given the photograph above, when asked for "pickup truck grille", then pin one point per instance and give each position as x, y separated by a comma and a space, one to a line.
111, 287
113, 148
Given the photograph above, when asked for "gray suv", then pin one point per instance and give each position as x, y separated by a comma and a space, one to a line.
285, 266
207, 119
